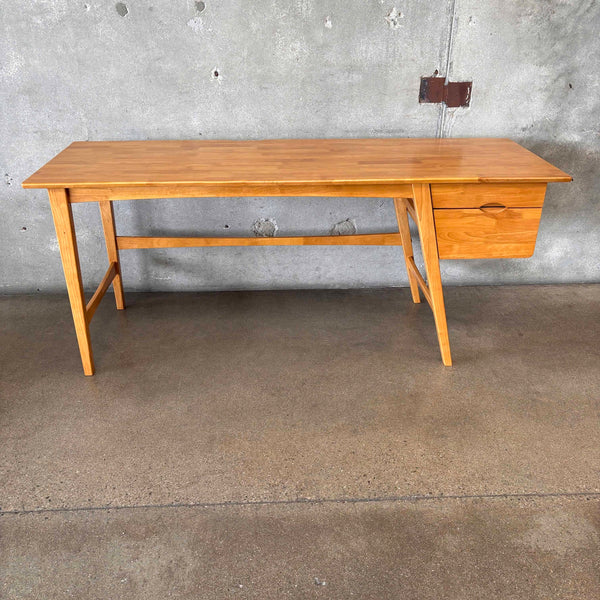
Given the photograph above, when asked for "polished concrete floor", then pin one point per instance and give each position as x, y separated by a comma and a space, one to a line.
303, 444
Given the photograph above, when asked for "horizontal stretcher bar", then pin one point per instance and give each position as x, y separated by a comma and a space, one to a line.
371, 239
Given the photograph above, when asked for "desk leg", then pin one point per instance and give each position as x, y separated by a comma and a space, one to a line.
110, 235
426, 225
67, 242
404, 229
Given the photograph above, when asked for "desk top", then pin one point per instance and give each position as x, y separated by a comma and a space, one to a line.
357, 161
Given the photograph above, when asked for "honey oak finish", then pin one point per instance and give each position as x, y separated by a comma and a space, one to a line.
476, 195
487, 233
67, 243
409, 259
110, 236
282, 162
469, 198
126, 242
426, 227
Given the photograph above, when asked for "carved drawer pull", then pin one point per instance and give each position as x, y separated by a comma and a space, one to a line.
492, 208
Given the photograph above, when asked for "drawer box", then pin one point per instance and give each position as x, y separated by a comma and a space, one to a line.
475, 195
486, 233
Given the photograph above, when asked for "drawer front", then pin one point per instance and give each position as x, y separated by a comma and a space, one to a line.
475, 195
487, 233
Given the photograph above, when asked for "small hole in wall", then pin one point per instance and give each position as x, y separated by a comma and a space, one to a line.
215, 73
570, 86
226, 227
122, 9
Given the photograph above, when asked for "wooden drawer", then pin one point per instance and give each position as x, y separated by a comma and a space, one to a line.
475, 195
486, 233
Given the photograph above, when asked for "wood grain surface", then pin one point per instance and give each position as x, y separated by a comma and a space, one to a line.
475, 195
387, 160
473, 233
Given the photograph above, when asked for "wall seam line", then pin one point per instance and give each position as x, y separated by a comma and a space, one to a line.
441, 124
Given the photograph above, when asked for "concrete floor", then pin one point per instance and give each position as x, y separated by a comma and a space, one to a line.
303, 444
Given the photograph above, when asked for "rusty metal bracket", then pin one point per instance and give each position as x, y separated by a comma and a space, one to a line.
453, 93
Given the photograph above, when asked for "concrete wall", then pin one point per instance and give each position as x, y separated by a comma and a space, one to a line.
141, 69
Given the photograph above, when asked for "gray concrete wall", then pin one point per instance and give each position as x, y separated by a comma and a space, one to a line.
100, 70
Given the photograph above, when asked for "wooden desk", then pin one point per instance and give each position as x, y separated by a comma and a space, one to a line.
470, 198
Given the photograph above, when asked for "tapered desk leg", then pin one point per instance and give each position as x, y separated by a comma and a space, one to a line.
67, 242
404, 229
110, 235
426, 225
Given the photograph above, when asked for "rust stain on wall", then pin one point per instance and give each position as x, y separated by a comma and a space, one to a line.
454, 93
